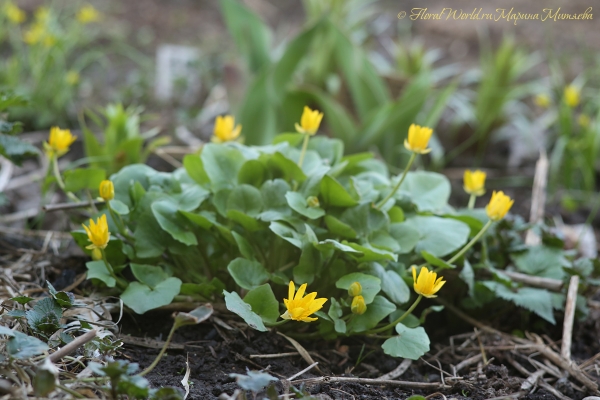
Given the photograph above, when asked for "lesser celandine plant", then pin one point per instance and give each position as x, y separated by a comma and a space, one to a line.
254, 223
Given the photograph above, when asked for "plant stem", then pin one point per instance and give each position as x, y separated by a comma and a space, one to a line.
122, 285
393, 324
119, 222
391, 194
59, 179
471, 202
162, 351
304, 147
283, 321
70, 391
471, 243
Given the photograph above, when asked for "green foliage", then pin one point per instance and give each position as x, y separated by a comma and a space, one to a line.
11, 147
323, 52
122, 143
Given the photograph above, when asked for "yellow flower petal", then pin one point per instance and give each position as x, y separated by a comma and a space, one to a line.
310, 121
427, 283
474, 182
498, 206
300, 307
418, 139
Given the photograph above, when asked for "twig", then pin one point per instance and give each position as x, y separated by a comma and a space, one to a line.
469, 361
72, 346
548, 388
567, 336
6, 170
529, 383
70, 206
278, 355
19, 215
398, 371
537, 281
538, 197
291, 378
367, 381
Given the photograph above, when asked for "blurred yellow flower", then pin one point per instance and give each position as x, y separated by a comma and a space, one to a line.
72, 78
474, 182
225, 129
34, 34
310, 121
571, 96
42, 14
427, 284
358, 305
14, 13
498, 206
355, 289
87, 14
418, 139
584, 121
543, 100
59, 141
300, 307
107, 190
98, 233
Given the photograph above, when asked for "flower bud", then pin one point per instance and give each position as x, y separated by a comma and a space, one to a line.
355, 289
312, 201
96, 254
107, 190
358, 305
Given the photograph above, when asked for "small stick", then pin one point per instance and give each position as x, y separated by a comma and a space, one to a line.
469, 361
398, 371
74, 345
291, 378
538, 197
70, 206
567, 337
545, 283
367, 381
278, 355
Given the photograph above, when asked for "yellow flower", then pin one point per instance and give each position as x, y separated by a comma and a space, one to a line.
72, 78
42, 14
49, 40
418, 139
225, 129
59, 141
571, 95
14, 13
584, 121
310, 121
474, 182
87, 14
427, 284
300, 307
98, 233
543, 100
34, 34
358, 305
498, 206
107, 190
355, 289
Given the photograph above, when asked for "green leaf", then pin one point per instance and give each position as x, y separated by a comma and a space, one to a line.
150, 275
290, 170
83, 178
15, 149
334, 194
253, 172
141, 298
435, 261
294, 139
330, 244
165, 212
250, 34
285, 232
64, 299
204, 219
542, 261
222, 165
410, 343
298, 203
22, 299
97, 270
247, 274
45, 316
195, 168
391, 284
235, 304
21, 346
406, 236
309, 264
537, 300
439, 236
369, 253
264, 303
119, 207
245, 247
246, 199
429, 191
376, 311
371, 285
335, 313
339, 228
253, 381
364, 219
